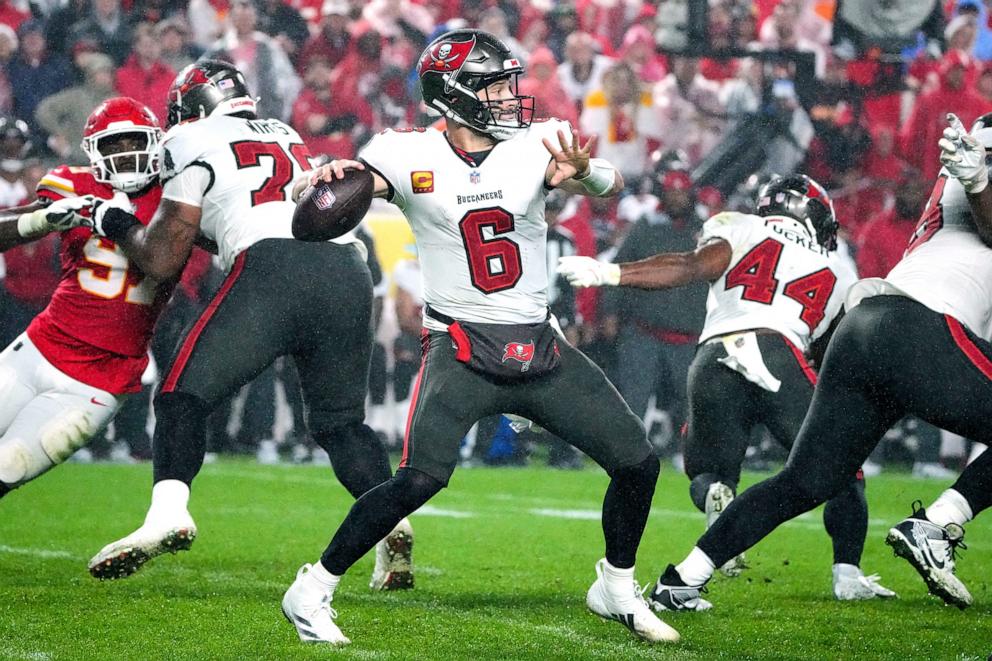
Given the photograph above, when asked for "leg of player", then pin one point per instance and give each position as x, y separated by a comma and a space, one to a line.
846, 418
332, 359
578, 404
846, 514
447, 399
45, 416
929, 537
721, 414
228, 345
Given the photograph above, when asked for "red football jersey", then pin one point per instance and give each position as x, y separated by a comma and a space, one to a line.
99, 322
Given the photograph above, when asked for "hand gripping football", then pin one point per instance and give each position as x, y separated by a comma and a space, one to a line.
327, 210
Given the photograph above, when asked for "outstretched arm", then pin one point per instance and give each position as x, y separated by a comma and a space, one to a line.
671, 269
159, 250
335, 169
20, 225
964, 158
573, 170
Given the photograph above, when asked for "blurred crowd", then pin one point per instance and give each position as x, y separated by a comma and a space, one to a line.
697, 102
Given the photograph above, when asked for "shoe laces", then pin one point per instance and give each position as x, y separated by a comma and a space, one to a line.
325, 604
870, 581
955, 540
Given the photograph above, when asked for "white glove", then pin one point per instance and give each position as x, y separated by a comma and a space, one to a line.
59, 216
963, 156
119, 201
589, 272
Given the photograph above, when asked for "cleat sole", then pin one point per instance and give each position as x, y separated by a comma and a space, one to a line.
130, 559
949, 594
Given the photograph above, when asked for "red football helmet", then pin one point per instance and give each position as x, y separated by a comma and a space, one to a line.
135, 167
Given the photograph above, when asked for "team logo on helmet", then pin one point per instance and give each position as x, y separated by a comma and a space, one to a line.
520, 352
447, 56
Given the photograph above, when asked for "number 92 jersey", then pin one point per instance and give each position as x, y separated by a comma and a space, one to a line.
100, 320
778, 278
479, 226
240, 173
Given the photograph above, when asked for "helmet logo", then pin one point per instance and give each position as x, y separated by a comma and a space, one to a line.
446, 56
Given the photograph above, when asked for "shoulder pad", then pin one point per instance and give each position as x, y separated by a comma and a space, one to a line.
65, 181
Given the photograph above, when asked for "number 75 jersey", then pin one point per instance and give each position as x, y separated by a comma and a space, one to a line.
240, 173
479, 225
778, 278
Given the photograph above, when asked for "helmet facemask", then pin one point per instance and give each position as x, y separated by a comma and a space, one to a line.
126, 159
502, 118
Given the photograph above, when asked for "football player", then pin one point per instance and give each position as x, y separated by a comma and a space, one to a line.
474, 196
776, 287
63, 379
928, 538
912, 342
227, 174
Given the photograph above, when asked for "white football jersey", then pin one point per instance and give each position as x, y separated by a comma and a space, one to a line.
947, 267
480, 227
240, 172
779, 278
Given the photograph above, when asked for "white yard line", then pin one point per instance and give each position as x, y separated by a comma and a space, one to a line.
39, 553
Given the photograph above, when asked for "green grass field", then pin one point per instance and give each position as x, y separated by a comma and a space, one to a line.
503, 559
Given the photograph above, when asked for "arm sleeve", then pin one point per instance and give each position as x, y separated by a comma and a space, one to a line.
730, 226
189, 186
380, 156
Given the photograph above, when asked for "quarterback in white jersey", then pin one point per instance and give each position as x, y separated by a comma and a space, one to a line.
906, 345
227, 176
776, 286
474, 195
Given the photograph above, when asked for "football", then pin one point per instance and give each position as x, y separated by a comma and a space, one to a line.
329, 209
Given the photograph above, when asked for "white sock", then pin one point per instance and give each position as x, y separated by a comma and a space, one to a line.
950, 507
696, 569
619, 582
844, 569
322, 578
169, 499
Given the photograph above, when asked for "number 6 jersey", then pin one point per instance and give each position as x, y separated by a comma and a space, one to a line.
778, 278
478, 219
99, 322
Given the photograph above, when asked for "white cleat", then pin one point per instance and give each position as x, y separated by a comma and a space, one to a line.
625, 604
850, 584
122, 558
308, 608
718, 498
394, 560
931, 549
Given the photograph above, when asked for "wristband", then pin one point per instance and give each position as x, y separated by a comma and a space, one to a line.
611, 275
117, 223
34, 224
600, 178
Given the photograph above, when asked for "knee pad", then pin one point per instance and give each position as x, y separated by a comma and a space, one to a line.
65, 434
699, 488
415, 488
645, 472
15, 462
808, 488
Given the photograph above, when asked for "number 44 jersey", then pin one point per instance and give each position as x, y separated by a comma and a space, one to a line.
99, 322
240, 172
478, 219
778, 278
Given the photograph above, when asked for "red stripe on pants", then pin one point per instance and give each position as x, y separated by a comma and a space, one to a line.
970, 349
801, 359
186, 350
413, 400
